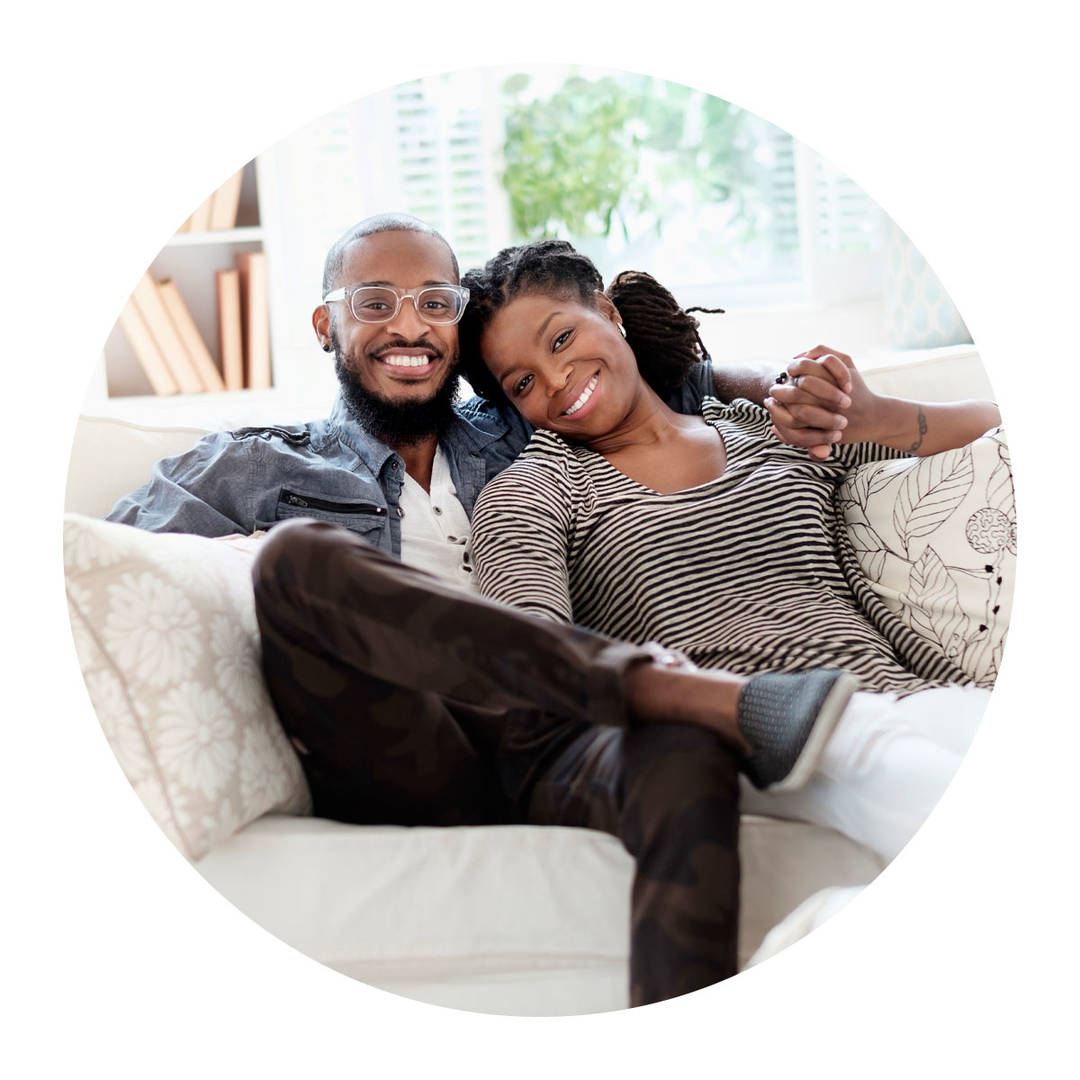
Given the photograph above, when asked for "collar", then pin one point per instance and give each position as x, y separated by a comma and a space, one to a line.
373, 453
475, 424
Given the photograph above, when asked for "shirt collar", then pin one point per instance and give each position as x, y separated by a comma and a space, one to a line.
371, 451
475, 430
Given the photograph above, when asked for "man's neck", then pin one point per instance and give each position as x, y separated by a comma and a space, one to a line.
419, 458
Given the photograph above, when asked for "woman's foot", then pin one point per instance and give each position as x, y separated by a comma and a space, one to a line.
787, 719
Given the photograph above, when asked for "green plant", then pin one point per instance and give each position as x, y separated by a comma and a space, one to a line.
599, 153
571, 159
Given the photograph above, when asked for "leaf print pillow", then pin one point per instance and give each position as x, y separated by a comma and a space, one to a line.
164, 627
936, 539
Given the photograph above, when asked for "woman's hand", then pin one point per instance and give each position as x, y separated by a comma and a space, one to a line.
823, 401
824, 391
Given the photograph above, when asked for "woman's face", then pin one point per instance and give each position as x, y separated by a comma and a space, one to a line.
563, 365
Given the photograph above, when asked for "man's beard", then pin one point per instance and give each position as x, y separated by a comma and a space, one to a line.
395, 423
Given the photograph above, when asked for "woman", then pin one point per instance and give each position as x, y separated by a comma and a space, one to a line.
703, 533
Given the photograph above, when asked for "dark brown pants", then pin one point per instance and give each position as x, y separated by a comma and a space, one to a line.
411, 702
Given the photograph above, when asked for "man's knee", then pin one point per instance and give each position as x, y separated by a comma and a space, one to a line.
682, 788
682, 760
296, 555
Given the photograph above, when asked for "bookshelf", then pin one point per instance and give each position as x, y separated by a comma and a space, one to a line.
191, 260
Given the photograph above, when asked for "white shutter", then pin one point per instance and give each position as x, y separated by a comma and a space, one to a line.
444, 136
841, 234
846, 218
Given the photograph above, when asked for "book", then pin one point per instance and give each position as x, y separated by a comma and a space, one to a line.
146, 351
255, 301
189, 335
225, 202
148, 302
200, 216
230, 328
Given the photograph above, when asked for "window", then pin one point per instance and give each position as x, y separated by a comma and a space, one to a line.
721, 206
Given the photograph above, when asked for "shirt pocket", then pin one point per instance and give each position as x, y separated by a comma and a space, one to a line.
357, 515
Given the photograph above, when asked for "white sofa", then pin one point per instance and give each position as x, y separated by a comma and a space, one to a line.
518, 920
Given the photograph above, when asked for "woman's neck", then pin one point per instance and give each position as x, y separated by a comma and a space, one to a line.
650, 422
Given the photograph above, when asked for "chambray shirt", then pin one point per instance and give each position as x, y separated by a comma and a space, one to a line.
332, 469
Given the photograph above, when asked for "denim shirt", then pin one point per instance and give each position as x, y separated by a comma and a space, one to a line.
332, 469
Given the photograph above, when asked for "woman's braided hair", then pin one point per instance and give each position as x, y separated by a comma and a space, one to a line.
663, 337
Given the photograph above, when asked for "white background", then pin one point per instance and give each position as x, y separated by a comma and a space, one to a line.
958, 118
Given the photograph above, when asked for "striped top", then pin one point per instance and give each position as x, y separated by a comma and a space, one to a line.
749, 572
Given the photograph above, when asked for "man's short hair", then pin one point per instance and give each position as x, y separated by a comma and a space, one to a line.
380, 223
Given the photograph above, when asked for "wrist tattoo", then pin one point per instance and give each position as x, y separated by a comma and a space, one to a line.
922, 433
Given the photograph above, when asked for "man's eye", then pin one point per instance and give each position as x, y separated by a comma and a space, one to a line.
374, 305
436, 305
522, 384
561, 339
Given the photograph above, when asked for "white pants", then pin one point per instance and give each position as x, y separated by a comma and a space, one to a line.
884, 767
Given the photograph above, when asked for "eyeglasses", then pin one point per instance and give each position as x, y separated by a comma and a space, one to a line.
439, 305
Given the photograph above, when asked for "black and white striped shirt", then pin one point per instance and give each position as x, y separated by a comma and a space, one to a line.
749, 572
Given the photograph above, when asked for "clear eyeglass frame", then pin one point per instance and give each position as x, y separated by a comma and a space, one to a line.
359, 297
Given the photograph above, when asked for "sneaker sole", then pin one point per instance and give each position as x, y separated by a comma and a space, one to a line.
832, 708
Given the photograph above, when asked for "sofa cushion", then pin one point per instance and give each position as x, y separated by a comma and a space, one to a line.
518, 919
164, 627
936, 539
111, 457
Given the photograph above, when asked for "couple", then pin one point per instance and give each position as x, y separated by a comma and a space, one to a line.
643, 509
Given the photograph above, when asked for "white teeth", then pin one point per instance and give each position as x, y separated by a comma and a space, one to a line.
590, 386
394, 360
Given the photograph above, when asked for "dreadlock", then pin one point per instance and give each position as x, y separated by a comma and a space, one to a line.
663, 337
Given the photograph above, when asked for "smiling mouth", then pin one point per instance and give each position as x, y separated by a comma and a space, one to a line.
587, 393
397, 360
410, 363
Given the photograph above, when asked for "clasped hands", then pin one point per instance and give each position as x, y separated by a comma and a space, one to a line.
823, 401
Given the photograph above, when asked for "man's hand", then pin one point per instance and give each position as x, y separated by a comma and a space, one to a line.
821, 400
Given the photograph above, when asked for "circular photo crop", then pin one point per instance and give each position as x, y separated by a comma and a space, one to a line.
539, 541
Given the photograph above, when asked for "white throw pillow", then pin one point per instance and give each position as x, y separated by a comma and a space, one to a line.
165, 630
936, 539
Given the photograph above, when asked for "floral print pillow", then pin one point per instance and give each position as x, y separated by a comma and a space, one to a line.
164, 627
936, 539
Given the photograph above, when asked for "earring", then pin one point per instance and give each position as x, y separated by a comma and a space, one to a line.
622, 329
326, 346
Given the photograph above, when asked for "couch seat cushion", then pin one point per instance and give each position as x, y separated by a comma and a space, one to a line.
437, 913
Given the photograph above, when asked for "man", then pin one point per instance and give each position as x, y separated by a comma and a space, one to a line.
409, 701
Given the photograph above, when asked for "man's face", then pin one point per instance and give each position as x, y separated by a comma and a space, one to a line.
381, 357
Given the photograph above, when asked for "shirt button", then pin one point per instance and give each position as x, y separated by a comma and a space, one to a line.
436, 509
452, 539
400, 512
393, 464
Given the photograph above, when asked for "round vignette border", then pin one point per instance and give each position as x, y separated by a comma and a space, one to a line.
286, 136
132, 267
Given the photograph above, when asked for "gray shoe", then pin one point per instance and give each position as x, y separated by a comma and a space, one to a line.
787, 719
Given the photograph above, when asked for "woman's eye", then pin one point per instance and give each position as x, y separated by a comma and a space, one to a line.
522, 384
